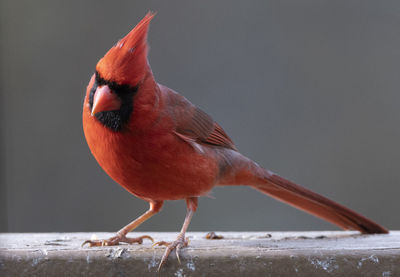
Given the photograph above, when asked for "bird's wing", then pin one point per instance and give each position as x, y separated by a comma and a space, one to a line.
194, 125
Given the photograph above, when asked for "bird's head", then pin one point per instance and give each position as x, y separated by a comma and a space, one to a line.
119, 75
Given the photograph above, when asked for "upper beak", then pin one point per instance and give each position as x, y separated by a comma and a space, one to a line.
105, 100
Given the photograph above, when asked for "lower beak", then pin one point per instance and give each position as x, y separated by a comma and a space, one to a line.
105, 100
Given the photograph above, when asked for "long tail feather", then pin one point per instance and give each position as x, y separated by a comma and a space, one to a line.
315, 204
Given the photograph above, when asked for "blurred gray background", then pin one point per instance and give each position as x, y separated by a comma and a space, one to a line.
308, 89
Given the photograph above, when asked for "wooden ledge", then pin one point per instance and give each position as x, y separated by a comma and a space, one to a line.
236, 254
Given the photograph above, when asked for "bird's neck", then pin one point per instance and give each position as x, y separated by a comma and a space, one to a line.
146, 103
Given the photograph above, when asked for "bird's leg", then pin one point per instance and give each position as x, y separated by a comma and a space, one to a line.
155, 207
180, 241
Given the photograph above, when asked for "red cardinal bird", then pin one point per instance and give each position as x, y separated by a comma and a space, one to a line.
159, 146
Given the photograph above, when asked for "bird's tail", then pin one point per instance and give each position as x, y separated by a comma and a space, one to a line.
315, 204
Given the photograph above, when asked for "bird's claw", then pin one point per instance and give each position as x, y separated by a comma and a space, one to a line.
116, 240
180, 242
160, 243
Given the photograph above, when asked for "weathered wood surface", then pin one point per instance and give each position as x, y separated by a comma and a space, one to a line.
237, 254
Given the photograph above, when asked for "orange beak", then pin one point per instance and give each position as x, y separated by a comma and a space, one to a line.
105, 100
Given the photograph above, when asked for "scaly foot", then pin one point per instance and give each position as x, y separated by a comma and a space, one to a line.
180, 242
115, 240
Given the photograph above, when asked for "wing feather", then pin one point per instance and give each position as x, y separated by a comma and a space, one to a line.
193, 124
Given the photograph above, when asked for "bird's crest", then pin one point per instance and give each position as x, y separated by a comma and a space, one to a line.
126, 61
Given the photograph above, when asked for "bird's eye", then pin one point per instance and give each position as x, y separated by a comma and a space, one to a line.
119, 89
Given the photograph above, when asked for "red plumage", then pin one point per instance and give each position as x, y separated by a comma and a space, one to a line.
159, 146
